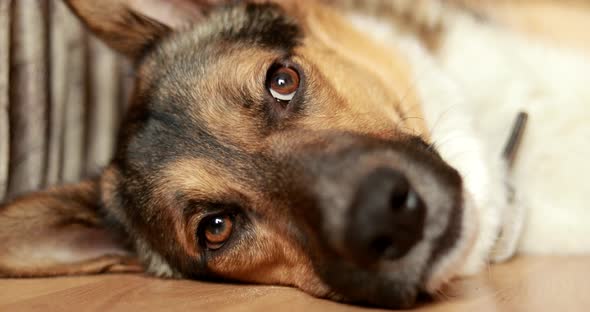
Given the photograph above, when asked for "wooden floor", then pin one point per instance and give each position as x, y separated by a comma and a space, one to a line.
527, 284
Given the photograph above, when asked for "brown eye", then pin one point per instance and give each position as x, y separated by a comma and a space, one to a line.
217, 231
284, 83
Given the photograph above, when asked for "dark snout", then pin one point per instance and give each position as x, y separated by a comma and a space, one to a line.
386, 218
378, 213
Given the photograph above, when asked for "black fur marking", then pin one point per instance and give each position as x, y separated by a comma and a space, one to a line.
265, 25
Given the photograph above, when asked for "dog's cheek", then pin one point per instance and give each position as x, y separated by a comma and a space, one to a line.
269, 258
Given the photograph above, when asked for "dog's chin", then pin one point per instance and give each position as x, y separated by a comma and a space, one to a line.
352, 285
399, 284
383, 289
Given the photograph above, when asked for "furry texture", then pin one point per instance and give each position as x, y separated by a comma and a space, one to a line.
196, 148
472, 88
502, 73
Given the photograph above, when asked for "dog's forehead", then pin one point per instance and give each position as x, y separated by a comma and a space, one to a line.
255, 26
221, 64
211, 71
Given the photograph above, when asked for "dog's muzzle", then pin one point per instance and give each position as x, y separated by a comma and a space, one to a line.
378, 213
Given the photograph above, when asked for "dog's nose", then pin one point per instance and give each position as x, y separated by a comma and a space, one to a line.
387, 218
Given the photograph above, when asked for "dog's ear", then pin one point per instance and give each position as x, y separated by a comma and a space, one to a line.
60, 232
131, 26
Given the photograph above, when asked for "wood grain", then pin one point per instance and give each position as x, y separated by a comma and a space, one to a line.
4, 93
526, 284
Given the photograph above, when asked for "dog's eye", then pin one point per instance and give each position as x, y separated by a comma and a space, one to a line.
217, 230
283, 83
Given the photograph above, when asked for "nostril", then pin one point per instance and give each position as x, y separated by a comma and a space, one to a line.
399, 196
385, 247
380, 245
386, 218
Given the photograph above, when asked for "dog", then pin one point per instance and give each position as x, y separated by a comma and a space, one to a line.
351, 149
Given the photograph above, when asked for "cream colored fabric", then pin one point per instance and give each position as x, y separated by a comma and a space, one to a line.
61, 97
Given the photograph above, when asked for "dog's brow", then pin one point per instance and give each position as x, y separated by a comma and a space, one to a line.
268, 25
193, 208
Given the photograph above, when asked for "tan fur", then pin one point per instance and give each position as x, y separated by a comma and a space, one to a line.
274, 258
109, 17
346, 65
349, 64
232, 123
342, 65
52, 227
197, 178
357, 85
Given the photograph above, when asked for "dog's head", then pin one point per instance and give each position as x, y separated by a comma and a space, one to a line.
274, 144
